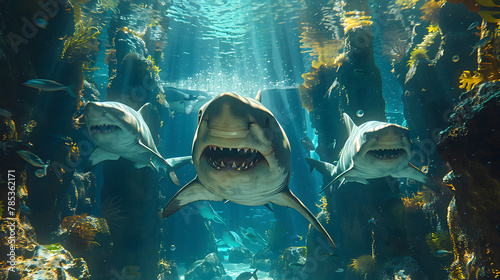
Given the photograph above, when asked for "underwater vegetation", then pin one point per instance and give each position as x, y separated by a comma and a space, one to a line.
81, 232
430, 11
414, 203
111, 211
81, 43
109, 5
353, 20
1, 208
406, 4
363, 265
153, 67
440, 240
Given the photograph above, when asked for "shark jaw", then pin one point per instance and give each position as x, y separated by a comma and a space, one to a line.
232, 159
103, 128
386, 154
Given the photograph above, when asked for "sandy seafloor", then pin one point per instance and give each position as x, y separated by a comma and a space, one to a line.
233, 270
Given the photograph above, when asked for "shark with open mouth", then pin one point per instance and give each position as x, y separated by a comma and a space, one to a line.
241, 154
373, 150
120, 131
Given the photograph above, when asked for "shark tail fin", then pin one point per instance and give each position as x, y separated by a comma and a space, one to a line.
254, 274
172, 164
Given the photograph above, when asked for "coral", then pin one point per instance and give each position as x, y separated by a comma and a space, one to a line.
112, 213
439, 241
363, 265
417, 54
430, 11
82, 42
81, 232
468, 81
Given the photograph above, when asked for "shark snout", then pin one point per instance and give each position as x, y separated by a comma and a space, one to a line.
94, 110
391, 135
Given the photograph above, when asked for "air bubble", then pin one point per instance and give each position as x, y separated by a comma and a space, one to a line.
39, 173
172, 248
360, 113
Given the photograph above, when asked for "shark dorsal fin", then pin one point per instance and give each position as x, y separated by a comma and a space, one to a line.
257, 97
350, 125
145, 110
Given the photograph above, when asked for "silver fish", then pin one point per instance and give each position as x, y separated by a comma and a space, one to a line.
49, 85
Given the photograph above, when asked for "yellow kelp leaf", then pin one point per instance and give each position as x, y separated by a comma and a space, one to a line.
468, 81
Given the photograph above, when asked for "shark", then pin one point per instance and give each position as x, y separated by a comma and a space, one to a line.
241, 154
373, 150
206, 211
183, 100
120, 131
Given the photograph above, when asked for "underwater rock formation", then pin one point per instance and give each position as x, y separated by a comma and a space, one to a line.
474, 214
290, 264
207, 269
262, 260
34, 261
239, 255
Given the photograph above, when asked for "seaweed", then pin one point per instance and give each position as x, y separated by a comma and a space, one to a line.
430, 11
153, 67
81, 231
414, 203
109, 5
356, 20
363, 265
406, 4
468, 81
82, 42
440, 240
416, 54
1, 208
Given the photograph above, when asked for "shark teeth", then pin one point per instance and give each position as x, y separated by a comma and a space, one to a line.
234, 159
387, 153
103, 128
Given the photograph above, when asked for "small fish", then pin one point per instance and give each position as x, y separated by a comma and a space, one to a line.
296, 265
25, 209
248, 276
31, 158
306, 141
442, 253
480, 44
48, 85
5, 113
296, 238
472, 26
40, 22
372, 221
339, 270
360, 71
34, 160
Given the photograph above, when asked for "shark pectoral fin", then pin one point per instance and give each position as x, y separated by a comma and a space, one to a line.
416, 174
269, 207
191, 192
325, 168
178, 162
287, 199
100, 154
174, 178
189, 106
145, 111
342, 175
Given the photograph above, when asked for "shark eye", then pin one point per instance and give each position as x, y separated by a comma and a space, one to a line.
266, 122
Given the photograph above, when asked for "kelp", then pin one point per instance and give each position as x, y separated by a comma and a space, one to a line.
81, 42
